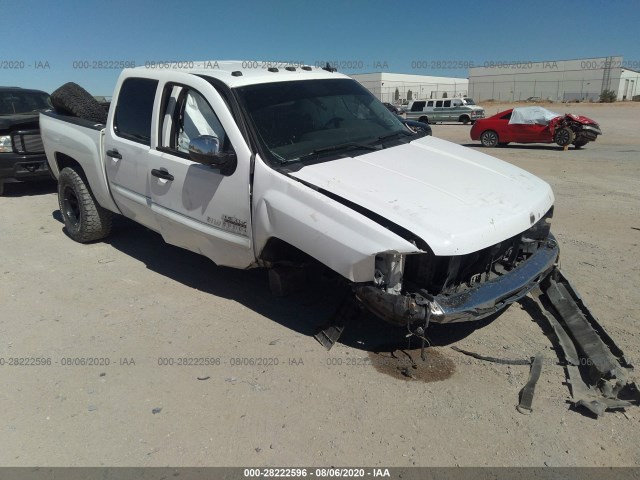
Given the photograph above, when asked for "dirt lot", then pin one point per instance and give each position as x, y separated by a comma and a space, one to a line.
133, 300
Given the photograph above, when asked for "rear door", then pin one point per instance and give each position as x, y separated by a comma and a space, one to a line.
127, 145
196, 206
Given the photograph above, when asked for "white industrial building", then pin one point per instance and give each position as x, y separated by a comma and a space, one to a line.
561, 80
395, 87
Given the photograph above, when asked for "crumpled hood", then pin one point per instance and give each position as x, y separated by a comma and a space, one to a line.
456, 199
582, 119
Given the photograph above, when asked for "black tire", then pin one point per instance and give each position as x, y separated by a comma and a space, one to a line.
72, 99
84, 219
577, 144
489, 138
424, 120
464, 119
564, 136
1, 187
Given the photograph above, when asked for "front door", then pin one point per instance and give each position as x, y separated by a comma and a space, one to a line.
196, 206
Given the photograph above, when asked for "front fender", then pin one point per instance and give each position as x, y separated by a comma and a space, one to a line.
327, 230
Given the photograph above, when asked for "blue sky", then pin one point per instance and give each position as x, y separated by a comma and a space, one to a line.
47, 37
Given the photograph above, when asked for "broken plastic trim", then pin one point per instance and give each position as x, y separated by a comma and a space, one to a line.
473, 304
590, 352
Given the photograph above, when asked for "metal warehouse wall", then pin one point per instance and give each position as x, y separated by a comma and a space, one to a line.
384, 85
565, 80
629, 85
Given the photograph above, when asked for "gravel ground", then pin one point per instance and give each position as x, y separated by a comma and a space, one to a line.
266, 393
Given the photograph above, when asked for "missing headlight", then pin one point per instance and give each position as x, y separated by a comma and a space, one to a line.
389, 270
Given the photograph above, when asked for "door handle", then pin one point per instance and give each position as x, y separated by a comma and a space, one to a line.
114, 154
161, 174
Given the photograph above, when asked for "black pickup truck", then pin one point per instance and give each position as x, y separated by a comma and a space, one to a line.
21, 152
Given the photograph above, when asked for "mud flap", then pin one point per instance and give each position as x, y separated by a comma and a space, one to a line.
597, 371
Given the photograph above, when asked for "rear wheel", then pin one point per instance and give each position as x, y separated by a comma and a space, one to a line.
564, 136
489, 138
84, 219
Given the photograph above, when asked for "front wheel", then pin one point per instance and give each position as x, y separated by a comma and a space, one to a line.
464, 119
489, 138
84, 219
564, 136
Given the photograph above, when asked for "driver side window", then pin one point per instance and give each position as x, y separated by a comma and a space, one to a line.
187, 116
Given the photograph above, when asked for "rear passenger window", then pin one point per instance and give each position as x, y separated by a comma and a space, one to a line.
133, 112
447, 103
430, 103
439, 103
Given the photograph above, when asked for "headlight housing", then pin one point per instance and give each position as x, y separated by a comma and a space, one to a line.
5, 144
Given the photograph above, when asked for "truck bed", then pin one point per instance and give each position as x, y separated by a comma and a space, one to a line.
66, 139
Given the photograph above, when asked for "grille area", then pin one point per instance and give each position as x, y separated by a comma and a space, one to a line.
27, 142
449, 275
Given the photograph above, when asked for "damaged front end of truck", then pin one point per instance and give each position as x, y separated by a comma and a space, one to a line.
417, 289
420, 288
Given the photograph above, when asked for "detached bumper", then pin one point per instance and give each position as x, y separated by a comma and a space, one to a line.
24, 167
472, 304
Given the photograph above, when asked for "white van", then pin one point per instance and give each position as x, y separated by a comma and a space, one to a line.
462, 110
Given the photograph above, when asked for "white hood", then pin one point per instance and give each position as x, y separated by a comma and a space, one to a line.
456, 199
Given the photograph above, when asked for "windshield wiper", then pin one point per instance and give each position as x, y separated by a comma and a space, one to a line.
346, 146
336, 148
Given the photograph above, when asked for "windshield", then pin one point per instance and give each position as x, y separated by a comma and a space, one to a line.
469, 101
13, 102
302, 118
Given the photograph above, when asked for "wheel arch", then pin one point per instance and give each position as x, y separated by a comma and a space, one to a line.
91, 178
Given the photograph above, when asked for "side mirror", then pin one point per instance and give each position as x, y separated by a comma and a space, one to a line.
205, 149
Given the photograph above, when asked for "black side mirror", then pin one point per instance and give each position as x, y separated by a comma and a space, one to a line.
205, 149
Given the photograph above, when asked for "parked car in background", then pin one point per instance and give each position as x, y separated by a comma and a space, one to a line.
21, 152
535, 125
417, 127
533, 99
462, 110
392, 108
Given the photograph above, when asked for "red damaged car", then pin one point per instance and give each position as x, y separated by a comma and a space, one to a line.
535, 125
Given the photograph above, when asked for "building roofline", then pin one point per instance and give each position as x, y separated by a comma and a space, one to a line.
550, 61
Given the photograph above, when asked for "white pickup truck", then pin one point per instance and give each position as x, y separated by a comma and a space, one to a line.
287, 166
